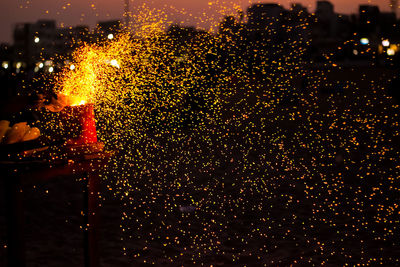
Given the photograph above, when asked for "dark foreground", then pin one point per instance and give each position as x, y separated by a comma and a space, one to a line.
312, 182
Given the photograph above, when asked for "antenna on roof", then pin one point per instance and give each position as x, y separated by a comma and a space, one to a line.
394, 5
126, 13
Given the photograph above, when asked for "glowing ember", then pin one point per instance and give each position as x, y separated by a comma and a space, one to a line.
74, 100
82, 102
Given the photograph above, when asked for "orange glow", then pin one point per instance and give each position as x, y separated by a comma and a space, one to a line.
96, 67
83, 102
72, 100
78, 102
80, 83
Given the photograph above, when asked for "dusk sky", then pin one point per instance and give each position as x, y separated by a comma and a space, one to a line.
73, 12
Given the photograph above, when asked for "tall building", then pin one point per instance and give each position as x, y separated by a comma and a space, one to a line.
368, 18
324, 9
34, 40
264, 24
6, 52
265, 16
43, 41
108, 29
326, 20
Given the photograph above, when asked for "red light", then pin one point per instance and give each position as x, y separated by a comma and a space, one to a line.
79, 120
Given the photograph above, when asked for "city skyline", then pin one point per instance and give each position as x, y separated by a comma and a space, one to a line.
89, 13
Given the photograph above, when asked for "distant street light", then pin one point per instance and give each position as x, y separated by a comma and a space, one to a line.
37, 39
391, 52
51, 69
110, 36
386, 43
364, 41
72, 67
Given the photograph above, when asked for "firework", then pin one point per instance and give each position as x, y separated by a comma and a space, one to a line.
222, 156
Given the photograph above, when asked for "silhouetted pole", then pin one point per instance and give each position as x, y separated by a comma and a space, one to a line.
127, 15
393, 5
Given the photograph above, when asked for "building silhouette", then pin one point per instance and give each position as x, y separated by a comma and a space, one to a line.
269, 29
44, 41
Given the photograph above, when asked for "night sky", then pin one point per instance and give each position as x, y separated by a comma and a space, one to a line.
73, 12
